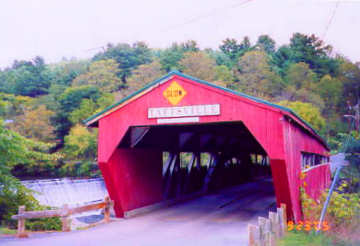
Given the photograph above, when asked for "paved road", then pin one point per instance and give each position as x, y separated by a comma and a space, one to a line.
216, 219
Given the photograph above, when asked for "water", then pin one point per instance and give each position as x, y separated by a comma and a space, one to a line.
74, 192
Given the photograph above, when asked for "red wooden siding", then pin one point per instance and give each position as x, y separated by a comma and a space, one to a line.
317, 179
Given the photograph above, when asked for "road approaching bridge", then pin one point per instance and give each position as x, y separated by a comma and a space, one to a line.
220, 218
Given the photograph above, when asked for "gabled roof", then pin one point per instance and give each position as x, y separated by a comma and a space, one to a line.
91, 121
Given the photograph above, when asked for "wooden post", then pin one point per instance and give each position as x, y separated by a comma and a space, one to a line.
251, 230
272, 218
272, 240
21, 224
262, 232
268, 238
283, 206
107, 209
277, 225
65, 218
282, 226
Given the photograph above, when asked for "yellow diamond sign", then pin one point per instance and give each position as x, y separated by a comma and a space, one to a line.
174, 93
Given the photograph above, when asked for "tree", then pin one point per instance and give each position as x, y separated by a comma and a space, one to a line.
189, 46
127, 56
282, 59
349, 75
27, 78
255, 76
143, 75
65, 72
330, 89
301, 85
103, 74
223, 74
300, 76
199, 65
266, 43
234, 50
35, 124
90, 107
308, 112
170, 57
69, 101
15, 149
81, 143
220, 58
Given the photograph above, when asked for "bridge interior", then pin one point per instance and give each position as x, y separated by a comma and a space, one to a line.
202, 157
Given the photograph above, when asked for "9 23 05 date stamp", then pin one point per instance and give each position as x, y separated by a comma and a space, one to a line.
308, 225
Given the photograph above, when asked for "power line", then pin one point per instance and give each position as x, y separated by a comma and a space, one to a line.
206, 15
331, 19
96, 48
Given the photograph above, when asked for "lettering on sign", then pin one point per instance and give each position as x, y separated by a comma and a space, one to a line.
184, 111
174, 93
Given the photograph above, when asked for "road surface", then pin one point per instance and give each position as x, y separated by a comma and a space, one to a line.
216, 219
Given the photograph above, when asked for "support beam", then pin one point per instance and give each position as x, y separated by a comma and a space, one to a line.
170, 174
137, 134
213, 161
190, 168
167, 163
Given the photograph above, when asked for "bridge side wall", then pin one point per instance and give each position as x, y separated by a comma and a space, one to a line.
296, 141
133, 178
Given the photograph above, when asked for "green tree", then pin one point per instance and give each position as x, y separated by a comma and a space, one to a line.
27, 78
235, 50
308, 49
256, 77
170, 57
199, 65
301, 85
66, 71
90, 107
143, 75
103, 74
69, 101
224, 74
308, 112
330, 89
81, 143
15, 149
127, 56
349, 75
35, 124
266, 43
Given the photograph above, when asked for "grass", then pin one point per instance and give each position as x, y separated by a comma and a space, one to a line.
298, 238
7, 231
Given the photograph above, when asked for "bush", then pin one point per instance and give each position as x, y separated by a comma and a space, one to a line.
343, 213
44, 224
11, 197
88, 169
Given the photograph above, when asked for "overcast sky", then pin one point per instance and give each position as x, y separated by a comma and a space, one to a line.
75, 28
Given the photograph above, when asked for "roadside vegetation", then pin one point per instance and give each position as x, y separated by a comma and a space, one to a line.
42, 105
343, 213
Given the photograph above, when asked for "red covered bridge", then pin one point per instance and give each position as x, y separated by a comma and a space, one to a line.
244, 137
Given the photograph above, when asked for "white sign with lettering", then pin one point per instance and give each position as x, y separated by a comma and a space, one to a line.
184, 111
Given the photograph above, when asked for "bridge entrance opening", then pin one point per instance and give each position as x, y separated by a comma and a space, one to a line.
202, 158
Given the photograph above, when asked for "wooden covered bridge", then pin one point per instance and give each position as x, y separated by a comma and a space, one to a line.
244, 137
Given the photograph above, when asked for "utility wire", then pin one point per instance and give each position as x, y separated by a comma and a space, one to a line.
206, 15
331, 19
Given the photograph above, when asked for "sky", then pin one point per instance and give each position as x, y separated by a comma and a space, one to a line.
57, 29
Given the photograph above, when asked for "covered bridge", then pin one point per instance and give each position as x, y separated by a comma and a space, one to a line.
244, 137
